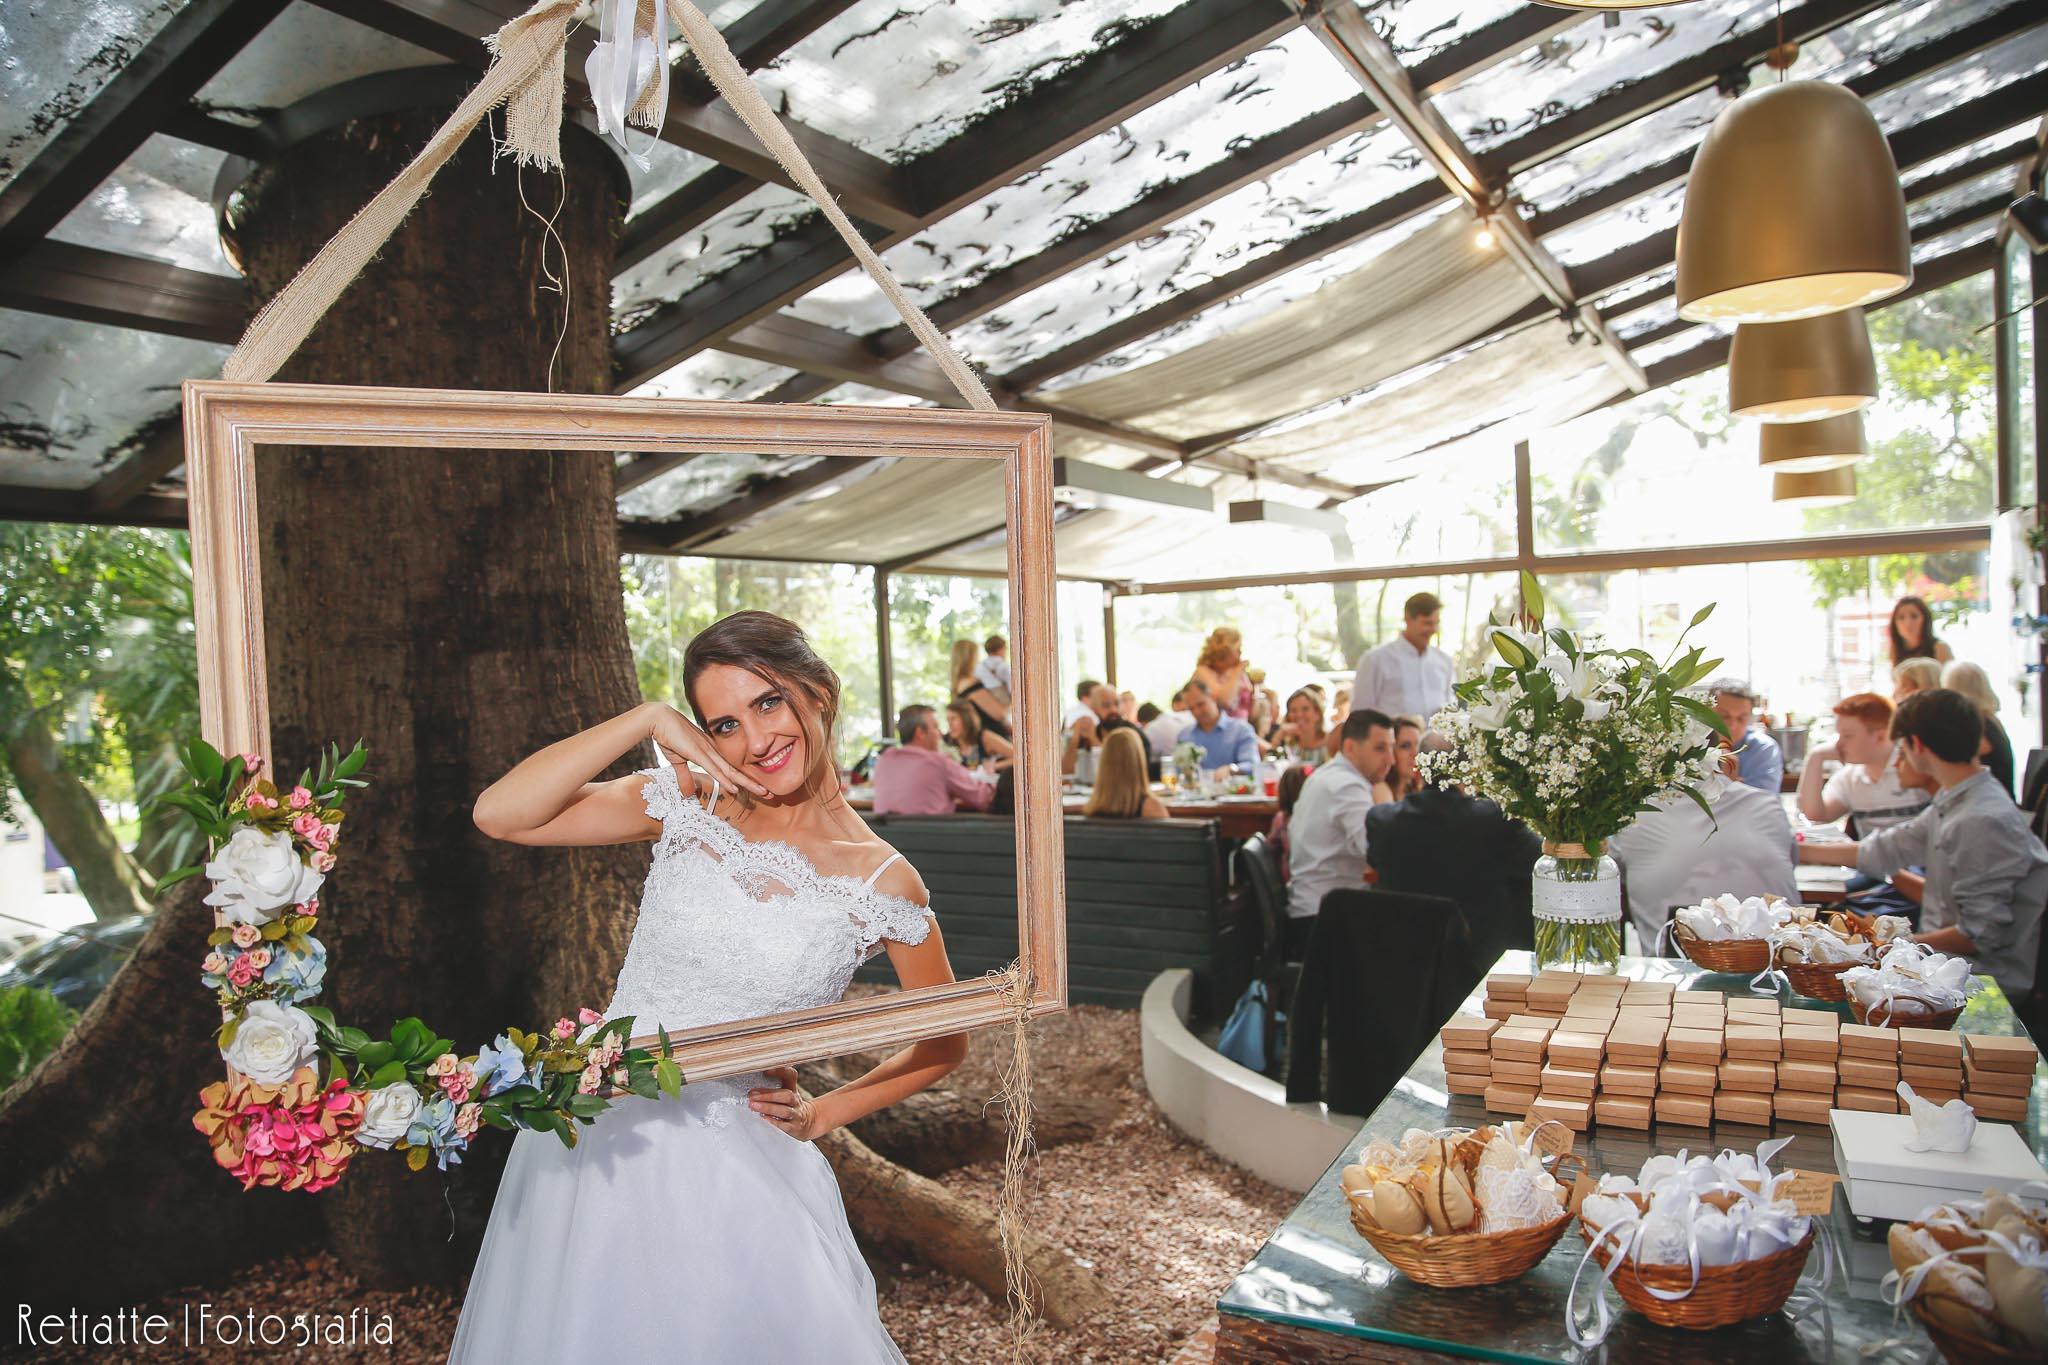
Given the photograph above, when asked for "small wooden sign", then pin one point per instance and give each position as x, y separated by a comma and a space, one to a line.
1810, 1192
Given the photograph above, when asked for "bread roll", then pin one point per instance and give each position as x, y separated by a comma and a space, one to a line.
2019, 1293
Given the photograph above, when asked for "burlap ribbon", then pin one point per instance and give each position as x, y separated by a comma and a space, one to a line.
526, 77
1570, 852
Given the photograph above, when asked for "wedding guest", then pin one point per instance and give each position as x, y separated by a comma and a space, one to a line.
1222, 739
915, 778
1292, 779
1265, 716
1081, 704
1405, 777
1915, 675
1222, 669
993, 672
1340, 707
1163, 728
1326, 834
1439, 841
1088, 730
1304, 730
1912, 633
995, 714
1756, 760
1127, 707
1407, 675
1974, 683
1866, 787
1122, 790
1987, 875
972, 742
1676, 854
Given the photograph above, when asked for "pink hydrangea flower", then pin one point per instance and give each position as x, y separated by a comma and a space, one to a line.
565, 1027
457, 1085
589, 1016
301, 798
247, 936
243, 971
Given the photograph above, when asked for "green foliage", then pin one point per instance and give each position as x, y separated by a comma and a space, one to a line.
32, 1023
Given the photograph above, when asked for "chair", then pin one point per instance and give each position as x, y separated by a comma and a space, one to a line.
1258, 865
1384, 970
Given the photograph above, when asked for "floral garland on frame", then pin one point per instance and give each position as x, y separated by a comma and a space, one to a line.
274, 1121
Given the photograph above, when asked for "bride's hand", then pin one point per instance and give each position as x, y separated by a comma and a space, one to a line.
684, 742
785, 1106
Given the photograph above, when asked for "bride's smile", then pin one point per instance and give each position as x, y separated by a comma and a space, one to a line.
752, 721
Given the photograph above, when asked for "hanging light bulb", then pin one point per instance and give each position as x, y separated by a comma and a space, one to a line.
1482, 236
1802, 370
1810, 447
1792, 209
1820, 488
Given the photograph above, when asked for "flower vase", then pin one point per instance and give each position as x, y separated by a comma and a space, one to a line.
1575, 899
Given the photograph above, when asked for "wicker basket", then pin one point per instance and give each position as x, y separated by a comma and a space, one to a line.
1904, 1014
1461, 1260
1818, 980
1959, 1349
1724, 1295
1746, 955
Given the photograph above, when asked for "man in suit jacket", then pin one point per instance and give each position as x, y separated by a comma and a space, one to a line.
1440, 842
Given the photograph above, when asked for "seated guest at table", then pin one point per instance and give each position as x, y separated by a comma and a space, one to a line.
1915, 675
993, 672
1081, 705
972, 742
1222, 668
1676, 855
915, 778
1866, 787
1088, 729
1222, 739
1326, 834
995, 714
1163, 728
1996, 751
1756, 760
1292, 779
1439, 841
1127, 707
1405, 777
1265, 716
1304, 729
1407, 675
1987, 875
1123, 788
1912, 633
1340, 707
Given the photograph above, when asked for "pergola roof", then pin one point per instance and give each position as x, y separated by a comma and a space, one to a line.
1227, 242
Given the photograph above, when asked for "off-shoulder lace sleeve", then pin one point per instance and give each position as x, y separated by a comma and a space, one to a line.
879, 915
663, 794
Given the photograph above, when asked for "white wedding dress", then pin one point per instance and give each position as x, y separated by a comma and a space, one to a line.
692, 1229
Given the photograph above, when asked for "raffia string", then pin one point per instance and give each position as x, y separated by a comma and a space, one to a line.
1575, 852
1014, 1095
526, 77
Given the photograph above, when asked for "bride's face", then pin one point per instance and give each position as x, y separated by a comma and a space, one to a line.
757, 725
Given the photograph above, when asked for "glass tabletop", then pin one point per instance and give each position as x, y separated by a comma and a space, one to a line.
1318, 1275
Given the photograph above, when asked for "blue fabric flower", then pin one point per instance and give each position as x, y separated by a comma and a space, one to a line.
297, 975
500, 1066
434, 1127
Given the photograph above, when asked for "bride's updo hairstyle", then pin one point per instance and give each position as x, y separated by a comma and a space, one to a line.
774, 648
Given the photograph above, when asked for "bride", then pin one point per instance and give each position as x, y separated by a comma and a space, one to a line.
708, 1228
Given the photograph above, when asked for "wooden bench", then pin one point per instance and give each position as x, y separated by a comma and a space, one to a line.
1142, 896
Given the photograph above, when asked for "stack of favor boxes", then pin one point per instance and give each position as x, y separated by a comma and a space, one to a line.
1586, 1049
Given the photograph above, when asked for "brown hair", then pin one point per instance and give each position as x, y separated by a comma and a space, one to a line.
965, 656
1901, 651
1421, 604
1120, 780
1222, 642
1867, 707
970, 718
1946, 721
777, 650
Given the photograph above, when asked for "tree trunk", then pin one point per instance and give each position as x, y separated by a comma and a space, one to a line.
456, 610
107, 877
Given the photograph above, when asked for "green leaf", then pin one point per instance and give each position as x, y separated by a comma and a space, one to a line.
411, 1038
375, 1055
1512, 650
388, 1074
173, 877
493, 1117
519, 1095
318, 1013
353, 763
228, 1031
354, 1040
1702, 712
588, 1106
1701, 801
416, 1158
204, 761
669, 1077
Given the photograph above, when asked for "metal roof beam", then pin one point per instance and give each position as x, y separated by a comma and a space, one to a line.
63, 280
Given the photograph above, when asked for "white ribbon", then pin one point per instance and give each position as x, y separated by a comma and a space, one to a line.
622, 68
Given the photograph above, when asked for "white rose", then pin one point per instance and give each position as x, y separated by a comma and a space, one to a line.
258, 874
388, 1113
271, 1043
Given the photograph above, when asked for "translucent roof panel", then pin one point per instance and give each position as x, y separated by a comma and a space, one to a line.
1233, 232
1420, 29
721, 242
55, 58
702, 481
1188, 131
158, 204
61, 419
2018, 133
1958, 239
1594, 237
302, 52
1593, 58
900, 77
1676, 344
1962, 81
669, 168
1647, 319
714, 374
1623, 297
863, 395
1995, 186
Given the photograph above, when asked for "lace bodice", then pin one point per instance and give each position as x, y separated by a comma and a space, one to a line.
733, 928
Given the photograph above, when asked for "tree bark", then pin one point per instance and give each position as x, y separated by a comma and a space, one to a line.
456, 610
107, 877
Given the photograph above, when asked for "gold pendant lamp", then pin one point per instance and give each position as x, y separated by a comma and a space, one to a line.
1820, 488
1811, 447
1792, 209
1802, 370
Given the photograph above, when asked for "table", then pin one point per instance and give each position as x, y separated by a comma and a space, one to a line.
1240, 816
1316, 1291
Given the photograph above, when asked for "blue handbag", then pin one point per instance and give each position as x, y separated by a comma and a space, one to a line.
1244, 1037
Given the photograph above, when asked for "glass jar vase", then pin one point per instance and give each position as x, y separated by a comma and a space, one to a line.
1575, 900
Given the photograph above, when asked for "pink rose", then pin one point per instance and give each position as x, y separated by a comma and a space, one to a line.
304, 824
254, 800
565, 1028
320, 836
467, 1118
214, 965
260, 957
589, 1015
322, 861
242, 971
457, 1085
592, 1078
247, 936
301, 798
252, 764
309, 906
443, 1065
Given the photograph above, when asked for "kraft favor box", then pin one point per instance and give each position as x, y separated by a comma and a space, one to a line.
1686, 1078
1691, 1111
1571, 1048
1868, 1072
1508, 986
1752, 1042
1636, 1043
1989, 1052
1868, 1101
1997, 1082
1931, 1077
1617, 1078
1930, 1047
1510, 1099
1623, 1111
1575, 1114
1562, 1080
1861, 1040
1742, 1106
1800, 1106
1823, 1020
1466, 1082
1810, 1044
1807, 1076
1541, 1023
1757, 1077
1467, 1031
1692, 1045
1886, 1179
1458, 1062
1523, 1044
1512, 1072
2005, 1108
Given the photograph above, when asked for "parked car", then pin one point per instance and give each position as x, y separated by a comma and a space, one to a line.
76, 964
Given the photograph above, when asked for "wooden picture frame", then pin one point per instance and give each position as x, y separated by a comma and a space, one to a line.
227, 426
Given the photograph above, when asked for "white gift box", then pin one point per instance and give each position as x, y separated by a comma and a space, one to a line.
1884, 1178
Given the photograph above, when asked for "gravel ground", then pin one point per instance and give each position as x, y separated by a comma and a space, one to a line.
1165, 1223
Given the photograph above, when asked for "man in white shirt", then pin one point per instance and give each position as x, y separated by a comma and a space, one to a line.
1326, 833
1866, 787
993, 672
1407, 676
1080, 707
1163, 729
1675, 855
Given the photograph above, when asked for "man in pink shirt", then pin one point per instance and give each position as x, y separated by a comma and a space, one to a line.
915, 778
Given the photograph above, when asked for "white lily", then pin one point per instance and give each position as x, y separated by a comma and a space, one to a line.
1576, 679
